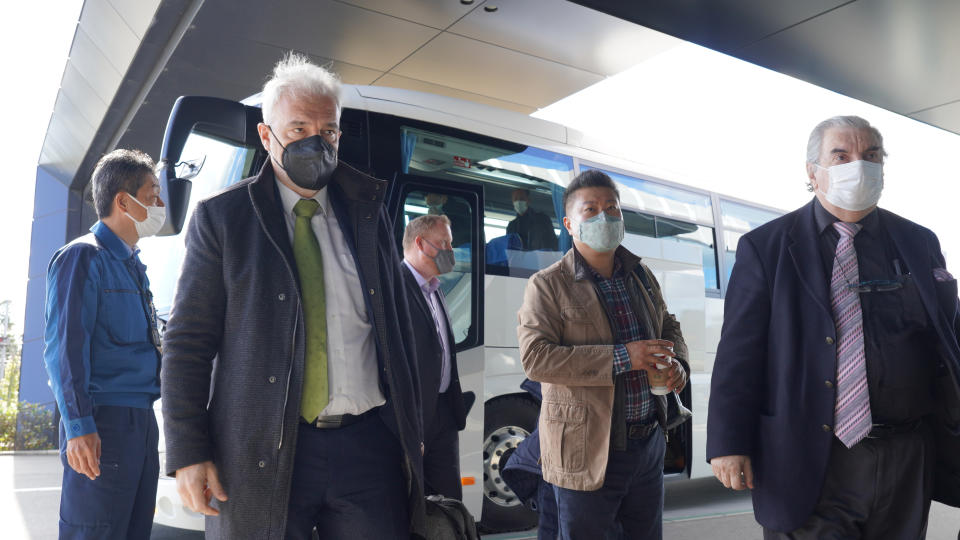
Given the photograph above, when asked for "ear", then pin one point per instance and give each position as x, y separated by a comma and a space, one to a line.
812, 176
119, 201
568, 225
264, 131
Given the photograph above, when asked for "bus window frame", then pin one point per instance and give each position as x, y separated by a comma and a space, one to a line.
403, 185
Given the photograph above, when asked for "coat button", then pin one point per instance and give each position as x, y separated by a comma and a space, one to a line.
829, 340
372, 292
272, 379
262, 464
281, 297
828, 384
825, 428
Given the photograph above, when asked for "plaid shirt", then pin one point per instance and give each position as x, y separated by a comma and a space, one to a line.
638, 402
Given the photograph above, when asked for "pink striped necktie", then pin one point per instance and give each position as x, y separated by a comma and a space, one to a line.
852, 411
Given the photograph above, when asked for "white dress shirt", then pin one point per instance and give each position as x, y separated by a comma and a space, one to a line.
351, 349
430, 292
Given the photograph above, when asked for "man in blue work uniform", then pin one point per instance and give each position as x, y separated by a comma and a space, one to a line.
103, 357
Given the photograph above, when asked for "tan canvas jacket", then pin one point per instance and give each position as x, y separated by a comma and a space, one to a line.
566, 344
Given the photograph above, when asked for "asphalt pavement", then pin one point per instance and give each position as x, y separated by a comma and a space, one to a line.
693, 509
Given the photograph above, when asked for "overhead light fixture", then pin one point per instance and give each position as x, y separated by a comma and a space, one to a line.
466, 2
489, 9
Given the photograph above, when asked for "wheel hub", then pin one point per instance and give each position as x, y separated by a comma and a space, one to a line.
494, 452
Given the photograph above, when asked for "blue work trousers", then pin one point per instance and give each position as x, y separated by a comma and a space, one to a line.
119, 504
629, 505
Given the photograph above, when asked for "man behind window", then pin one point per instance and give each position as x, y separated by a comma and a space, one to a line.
102, 355
533, 228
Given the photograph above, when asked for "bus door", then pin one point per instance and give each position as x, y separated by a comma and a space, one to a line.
414, 196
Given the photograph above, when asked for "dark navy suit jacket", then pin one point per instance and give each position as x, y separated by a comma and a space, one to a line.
772, 393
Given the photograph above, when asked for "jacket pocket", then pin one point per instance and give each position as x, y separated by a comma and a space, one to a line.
566, 428
123, 317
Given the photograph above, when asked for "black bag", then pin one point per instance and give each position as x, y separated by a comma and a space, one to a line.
448, 519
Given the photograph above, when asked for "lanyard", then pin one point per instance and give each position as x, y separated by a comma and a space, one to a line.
146, 303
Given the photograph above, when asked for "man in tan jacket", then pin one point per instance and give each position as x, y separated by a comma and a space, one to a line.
591, 327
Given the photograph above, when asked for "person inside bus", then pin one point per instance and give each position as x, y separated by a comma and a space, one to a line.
834, 394
102, 353
457, 211
534, 228
290, 392
428, 253
590, 329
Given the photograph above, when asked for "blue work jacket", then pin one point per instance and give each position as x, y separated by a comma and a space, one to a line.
100, 329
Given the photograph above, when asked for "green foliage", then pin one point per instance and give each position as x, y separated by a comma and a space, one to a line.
23, 426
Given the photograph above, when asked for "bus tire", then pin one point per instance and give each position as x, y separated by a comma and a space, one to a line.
507, 420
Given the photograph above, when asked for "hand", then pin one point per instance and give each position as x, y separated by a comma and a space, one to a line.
83, 455
196, 484
649, 353
734, 471
678, 376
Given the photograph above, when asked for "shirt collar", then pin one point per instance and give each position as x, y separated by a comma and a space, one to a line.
426, 286
825, 219
584, 269
289, 198
114, 244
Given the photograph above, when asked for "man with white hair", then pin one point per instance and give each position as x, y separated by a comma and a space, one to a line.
289, 385
835, 393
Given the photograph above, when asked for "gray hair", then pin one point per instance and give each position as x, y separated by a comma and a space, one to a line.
815, 142
295, 76
119, 171
421, 225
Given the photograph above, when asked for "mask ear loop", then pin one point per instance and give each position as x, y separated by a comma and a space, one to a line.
281, 146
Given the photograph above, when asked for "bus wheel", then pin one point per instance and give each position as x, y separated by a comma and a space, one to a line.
507, 421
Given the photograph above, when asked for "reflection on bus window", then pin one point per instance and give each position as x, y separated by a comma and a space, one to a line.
523, 192
223, 164
738, 219
456, 284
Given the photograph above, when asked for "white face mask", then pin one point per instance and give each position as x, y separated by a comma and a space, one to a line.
156, 216
854, 186
520, 206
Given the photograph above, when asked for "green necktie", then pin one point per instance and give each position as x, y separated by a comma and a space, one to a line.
306, 251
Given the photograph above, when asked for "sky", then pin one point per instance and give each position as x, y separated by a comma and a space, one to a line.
696, 116
35, 38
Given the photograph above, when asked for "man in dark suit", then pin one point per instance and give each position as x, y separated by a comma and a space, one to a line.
835, 394
289, 391
427, 253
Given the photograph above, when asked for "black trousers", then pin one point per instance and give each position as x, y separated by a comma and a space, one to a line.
441, 452
879, 489
348, 482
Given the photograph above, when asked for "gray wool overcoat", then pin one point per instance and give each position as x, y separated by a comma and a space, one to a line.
233, 349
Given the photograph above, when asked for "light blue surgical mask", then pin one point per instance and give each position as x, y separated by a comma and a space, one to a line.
602, 232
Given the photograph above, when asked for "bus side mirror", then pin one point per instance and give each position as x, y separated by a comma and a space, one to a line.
176, 194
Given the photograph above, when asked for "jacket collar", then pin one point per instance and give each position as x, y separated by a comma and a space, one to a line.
574, 263
111, 242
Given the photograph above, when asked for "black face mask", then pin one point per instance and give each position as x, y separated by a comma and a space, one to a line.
308, 162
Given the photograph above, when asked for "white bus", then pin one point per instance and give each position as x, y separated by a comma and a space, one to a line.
471, 157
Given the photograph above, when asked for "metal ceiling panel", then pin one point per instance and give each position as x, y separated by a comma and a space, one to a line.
136, 14
79, 91
472, 66
893, 54
70, 117
438, 14
723, 25
396, 81
324, 27
575, 35
95, 68
109, 32
945, 116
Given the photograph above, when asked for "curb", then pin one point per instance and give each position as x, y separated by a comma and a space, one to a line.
29, 452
